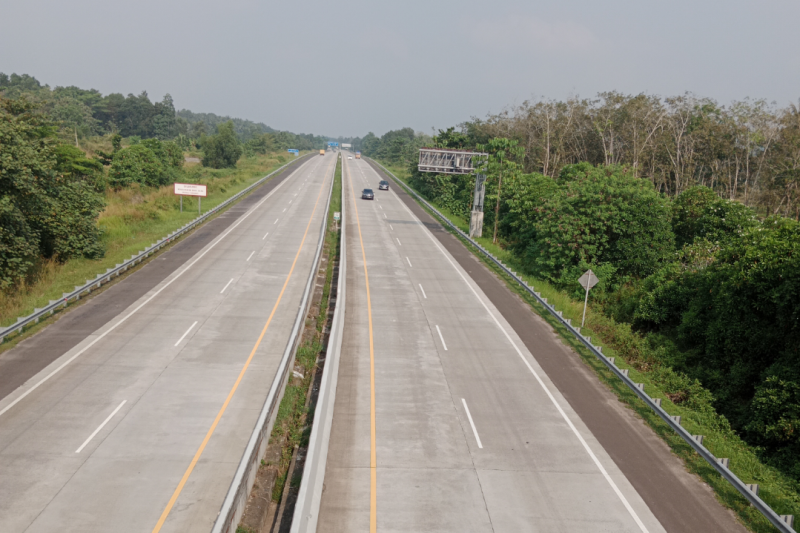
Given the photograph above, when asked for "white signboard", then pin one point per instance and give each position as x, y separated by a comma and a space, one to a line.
347, 145
190, 189
337, 215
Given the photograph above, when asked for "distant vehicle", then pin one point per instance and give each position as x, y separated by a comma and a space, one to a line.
322, 152
358, 155
383, 185
349, 157
367, 194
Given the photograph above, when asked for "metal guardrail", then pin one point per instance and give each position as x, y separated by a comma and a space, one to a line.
783, 523
110, 273
236, 497
306, 510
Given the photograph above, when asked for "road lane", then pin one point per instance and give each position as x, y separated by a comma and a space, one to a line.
125, 475
32, 354
434, 355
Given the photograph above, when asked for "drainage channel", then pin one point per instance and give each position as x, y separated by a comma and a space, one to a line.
270, 505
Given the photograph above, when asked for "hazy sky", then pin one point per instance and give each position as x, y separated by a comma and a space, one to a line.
349, 67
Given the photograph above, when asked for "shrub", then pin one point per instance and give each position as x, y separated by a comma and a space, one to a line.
597, 216
137, 164
223, 149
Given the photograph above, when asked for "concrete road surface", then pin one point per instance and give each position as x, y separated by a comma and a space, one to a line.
444, 420
140, 426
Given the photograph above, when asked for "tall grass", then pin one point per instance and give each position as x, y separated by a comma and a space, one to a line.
133, 219
618, 340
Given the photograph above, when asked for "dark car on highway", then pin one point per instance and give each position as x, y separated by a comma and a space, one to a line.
367, 194
383, 185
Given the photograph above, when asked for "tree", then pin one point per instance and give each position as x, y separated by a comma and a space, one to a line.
501, 161
222, 150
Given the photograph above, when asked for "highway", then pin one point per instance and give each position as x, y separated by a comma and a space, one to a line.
141, 424
445, 421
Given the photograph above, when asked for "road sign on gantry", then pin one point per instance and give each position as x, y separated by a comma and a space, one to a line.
447, 161
444, 161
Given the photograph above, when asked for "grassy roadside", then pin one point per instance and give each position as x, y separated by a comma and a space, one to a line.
295, 417
617, 339
133, 219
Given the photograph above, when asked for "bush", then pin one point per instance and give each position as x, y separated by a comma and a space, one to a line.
699, 213
137, 164
223, 149
598, 216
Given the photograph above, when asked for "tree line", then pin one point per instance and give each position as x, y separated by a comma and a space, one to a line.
708, 282
747, 151
82, 113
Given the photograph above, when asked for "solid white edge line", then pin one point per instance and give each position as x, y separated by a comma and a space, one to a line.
251, 255
409, 262
226, 286
471, 423
167, 284
187, 332
586, 447
423, 291
441, 338
96, 431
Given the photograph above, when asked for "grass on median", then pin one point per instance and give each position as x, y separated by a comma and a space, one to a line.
618, 340
295, 417
133, 219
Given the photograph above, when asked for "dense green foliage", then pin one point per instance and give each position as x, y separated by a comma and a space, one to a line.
49, 200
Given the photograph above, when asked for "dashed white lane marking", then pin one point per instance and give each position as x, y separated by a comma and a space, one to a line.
265, 236
423, 291
379, 205
390, 227
284, 210
96, 431
251, 255
536, 376
97, 339
398, 242
384, 215
409, 262
276, 221
226, 286
187, 332
471, 423
441, 338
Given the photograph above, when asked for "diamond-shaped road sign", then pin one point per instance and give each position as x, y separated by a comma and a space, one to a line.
588, 280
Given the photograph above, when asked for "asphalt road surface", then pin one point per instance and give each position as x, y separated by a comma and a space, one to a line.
444, 418
141, 424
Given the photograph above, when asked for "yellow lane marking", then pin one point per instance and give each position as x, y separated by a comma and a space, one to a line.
213, 427
373, 460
